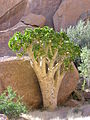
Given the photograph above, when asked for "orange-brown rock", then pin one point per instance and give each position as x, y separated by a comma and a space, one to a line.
6, 35
46, 8
34, 20
11, 12
69, 13
68, 85
18, 73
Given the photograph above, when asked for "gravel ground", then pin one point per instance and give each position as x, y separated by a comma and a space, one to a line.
62, 113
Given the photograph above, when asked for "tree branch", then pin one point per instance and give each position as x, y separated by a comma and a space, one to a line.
59, 79
43, 66
53, 60
56, 67
33, 62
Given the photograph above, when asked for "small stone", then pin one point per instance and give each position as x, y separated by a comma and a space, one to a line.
3, 117
86, 110
72, 103
34, 20
46, 8
87, 95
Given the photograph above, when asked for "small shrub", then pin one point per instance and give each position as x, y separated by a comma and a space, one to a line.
10, 104
85, 65
80, 33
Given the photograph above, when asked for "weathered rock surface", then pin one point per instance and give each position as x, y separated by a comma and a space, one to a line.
28, 21
3, 117
11, 12
19, 74
69, 12
6, 35
68, 85
85, 16
6, 5
72, 103
34, 20
46, 8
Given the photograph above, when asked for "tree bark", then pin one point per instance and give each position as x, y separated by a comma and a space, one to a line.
49, 93
49, 86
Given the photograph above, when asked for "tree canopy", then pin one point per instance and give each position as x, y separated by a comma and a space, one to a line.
45, 43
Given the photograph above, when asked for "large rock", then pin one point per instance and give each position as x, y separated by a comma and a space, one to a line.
6, 5
29, 21
69, 12
11, 12
46, 8
34, 20
68, 85
6, 35
19, 74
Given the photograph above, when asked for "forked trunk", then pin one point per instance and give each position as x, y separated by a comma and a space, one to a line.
48, 84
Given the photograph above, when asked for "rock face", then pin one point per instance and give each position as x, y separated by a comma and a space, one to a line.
6, 35
6, 5
29, 21
11, 12
68, 85
46, 8
19, 74
34, 20
69, 12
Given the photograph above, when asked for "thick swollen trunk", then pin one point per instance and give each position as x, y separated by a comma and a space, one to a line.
49, 84
49, 93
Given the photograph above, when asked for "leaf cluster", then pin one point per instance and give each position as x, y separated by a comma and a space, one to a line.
45, 41
85, 66
85, 62
10, 104
80, 33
